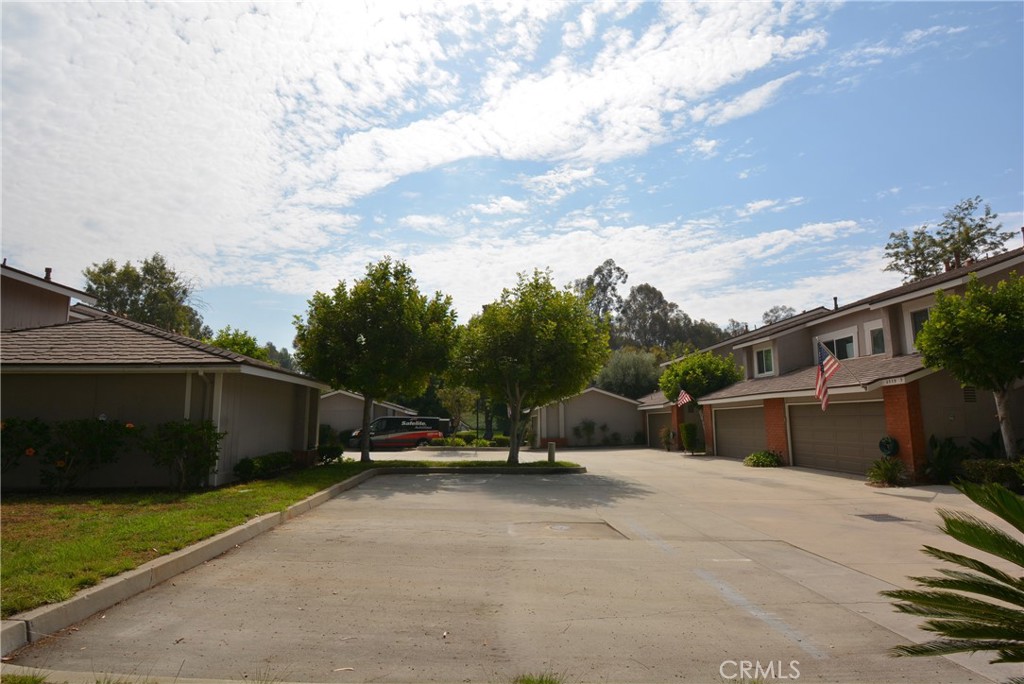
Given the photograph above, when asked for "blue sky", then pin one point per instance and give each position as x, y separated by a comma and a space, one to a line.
734, 155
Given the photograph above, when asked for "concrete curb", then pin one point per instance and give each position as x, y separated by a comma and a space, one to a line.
33, 625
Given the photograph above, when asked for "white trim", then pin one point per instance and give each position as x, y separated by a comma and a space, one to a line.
869, 327
834, 335
907, 313
218, 399
771, 355
188, 396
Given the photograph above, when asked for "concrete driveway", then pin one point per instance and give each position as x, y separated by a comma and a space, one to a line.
652, 567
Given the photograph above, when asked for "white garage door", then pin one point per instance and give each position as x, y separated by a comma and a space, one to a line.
843, 438
739, 432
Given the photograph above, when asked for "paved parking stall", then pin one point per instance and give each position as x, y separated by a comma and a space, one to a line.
651, 567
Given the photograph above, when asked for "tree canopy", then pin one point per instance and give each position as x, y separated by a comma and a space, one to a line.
534, 345
152, 293
779, 312
699, 374
978, 337
600, 288
630, 372
240, 342
961, 237
381, 337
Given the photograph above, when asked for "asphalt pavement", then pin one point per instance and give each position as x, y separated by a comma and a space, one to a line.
651, 567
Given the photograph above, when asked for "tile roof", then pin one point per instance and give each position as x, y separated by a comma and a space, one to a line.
102, 339
655, 399
859, 372
936, 281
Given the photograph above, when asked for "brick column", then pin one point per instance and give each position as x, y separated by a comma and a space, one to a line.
775, 434
677, 418
904, 422
709, 431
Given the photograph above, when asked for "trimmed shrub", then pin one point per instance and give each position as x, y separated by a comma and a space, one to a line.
887, 471
944, 459
763, 459
264, 467
21, 438
688, 434
991, 471
329, 453
79, 447
480, 443
188, 449
466, 435
501, 441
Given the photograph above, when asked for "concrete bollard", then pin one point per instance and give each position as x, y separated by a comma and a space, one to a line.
551, 452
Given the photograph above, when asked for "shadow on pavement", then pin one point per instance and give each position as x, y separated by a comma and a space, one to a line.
560, 491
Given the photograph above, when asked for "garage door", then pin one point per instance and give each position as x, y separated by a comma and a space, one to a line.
739, 432
843, 438
655, 422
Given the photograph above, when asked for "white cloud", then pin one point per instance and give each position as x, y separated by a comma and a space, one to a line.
746, 104
706, 148
501, 205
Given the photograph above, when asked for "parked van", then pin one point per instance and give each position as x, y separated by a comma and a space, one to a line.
397, 432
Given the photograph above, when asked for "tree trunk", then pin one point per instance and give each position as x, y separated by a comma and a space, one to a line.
364, 436
514, 437
488, 420
1005, 424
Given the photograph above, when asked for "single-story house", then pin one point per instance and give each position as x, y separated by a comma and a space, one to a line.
343, 410
882, 387
592, 417
95, 364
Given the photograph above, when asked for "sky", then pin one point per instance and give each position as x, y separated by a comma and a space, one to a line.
736, 156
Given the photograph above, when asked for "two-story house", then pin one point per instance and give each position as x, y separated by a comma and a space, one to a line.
881, 389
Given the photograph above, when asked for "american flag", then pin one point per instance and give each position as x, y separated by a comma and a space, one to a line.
827, 367
683, 398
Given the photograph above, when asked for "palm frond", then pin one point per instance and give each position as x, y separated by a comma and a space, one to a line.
951, 646
996, 499
950, 604
975, 584
981, 535
974, 564
972, 623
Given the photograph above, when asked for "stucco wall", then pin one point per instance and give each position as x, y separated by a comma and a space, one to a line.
948, 411
619, 418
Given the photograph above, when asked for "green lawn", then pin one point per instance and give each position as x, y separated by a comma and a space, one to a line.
54, 546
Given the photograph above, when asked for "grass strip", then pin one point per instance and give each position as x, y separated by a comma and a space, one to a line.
54, 546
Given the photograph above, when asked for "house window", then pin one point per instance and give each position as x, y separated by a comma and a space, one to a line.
763, 361
917, 320
841, 347
877, 336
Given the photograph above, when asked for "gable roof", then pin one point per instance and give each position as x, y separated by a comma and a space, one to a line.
356, 395
764, 332
44, 283
96, 341
654, 400
861, 374
597, 390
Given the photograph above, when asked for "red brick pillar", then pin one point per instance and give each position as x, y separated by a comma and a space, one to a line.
775, 434
677, 418
904, 422
709, 431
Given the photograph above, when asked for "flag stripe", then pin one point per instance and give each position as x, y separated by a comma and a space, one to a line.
827, 367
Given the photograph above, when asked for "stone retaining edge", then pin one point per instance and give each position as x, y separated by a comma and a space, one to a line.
33, 625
